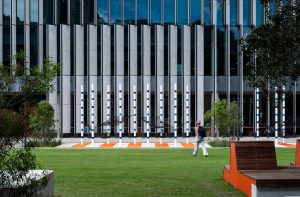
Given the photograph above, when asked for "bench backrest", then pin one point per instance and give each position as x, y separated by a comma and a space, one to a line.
254, 155
298, 153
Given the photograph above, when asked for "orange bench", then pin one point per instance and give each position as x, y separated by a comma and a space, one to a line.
298, 153
253, 170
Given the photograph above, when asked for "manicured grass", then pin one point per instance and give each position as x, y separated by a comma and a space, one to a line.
171, 172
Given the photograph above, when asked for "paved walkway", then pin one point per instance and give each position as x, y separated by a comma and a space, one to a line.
164, 143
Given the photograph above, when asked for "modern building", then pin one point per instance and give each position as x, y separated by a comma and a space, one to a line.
144, 60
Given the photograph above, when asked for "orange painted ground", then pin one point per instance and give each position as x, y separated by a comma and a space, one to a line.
189, 145
163, 145
136, 145
287, 145
81, 145
110, 145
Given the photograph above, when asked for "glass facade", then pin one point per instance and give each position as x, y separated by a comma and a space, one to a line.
129, 11
156, 12
246, 12
207, 12
142, 11
116, 11
220, 12
233, 12
195, 9
102, 11
182, 12
169, 12
75, 12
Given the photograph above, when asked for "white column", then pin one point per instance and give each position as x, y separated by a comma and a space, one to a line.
257, 112
81, 113
92, 115
148, 112
107, 112
187, 114
276, 116
134, 113
175, 114
161, 112
120, 130
283, 114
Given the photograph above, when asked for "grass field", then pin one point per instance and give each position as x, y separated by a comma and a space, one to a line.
141, 172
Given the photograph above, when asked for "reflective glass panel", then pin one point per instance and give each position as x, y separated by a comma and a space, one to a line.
220, 12
75, 12
102, 11
34, 10
48, 12
116, 11
169, 11
207, 50
221, 51
234, 40
182, 11
142, 11
6, 12
207, 12
20, 12
246, 12
259, 13
63, 12
155, 12
129, 11
88, 11
233, 12
195, 12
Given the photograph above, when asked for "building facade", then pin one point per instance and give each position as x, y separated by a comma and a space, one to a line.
152, 65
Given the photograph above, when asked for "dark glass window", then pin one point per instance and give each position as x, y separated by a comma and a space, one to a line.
6, 43
102, 11
233, 12
182, 12
259, 13
153, 35
169, 11
207, 50
34, 11
195, 12
155, 12
48, 12
33, 45
246, 31
220, 12
193, 51
246, 12
20, 12
75, 12
6, 12
207, 12
142, 11
88, 11
20, 37
179, 51
221, 51
234, 39
63, 12
129, 11
116, 11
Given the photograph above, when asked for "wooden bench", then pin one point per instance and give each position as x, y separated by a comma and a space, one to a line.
297, 153
253, 170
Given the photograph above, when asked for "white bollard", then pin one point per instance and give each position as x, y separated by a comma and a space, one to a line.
81, 113
134, 114
92, 114
148, 112
175, 114
161, 111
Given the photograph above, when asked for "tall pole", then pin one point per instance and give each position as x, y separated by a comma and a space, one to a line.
148, 112
134, 114
108, 111
276, 115
161, 111
92, 123
257, 113
175, 114
120, 113
81, 113
187, 114
283, 114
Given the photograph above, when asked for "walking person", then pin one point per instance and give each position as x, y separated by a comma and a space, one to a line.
200, 136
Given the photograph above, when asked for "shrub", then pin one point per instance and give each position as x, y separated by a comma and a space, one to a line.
219, 143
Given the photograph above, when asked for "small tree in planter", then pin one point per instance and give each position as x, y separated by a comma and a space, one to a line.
226, 118
42, 122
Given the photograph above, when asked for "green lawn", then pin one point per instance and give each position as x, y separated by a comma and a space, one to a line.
140, 172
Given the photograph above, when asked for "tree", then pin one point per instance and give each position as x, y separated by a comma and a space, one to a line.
273, 49
42, 121
15, 106
226, 117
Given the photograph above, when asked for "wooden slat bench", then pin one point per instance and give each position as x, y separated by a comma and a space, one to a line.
253, 170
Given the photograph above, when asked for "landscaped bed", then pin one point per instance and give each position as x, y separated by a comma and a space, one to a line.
126, 172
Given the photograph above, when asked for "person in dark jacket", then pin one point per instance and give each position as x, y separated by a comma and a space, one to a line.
200, 135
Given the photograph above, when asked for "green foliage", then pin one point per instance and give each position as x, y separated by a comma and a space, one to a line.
226, 118
42, 122
50, 143
219, 143
273, 49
